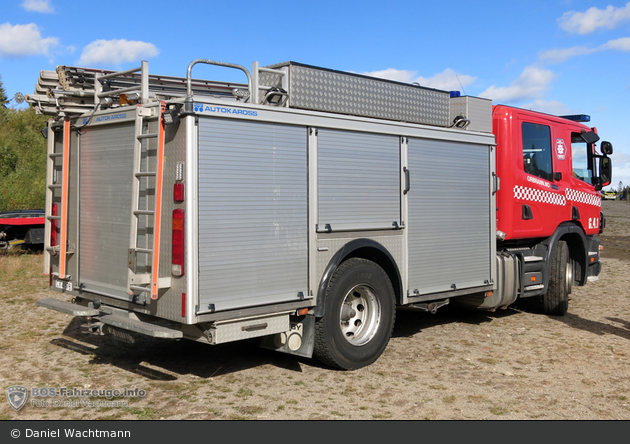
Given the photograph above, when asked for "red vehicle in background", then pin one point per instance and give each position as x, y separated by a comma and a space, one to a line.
22, 227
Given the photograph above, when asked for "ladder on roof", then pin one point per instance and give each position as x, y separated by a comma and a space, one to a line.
73, 90
140, 284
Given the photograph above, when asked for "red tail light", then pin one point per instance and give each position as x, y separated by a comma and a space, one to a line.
178, 192
53, 227
177, 267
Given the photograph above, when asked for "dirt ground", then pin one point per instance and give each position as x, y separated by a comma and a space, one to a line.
514, 364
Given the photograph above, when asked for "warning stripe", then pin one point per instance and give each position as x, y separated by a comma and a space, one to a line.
534, 195
549, 197
585, 198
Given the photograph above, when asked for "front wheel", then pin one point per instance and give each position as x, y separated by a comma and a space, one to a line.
556, 300
359, 316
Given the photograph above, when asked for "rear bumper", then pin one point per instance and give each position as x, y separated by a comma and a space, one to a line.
118, 319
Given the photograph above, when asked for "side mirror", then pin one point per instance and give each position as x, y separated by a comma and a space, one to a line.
607, 148
605, 171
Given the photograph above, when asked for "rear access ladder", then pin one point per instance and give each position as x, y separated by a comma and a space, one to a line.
142, 283
56, 224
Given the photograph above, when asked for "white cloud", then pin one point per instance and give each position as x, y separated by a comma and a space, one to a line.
549, 107
42, 6
447, 80
594, 18
116, 52
621, 44
24, 40
398, 75
562, 55
531, 85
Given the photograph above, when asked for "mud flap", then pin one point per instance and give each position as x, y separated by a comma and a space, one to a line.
299, 340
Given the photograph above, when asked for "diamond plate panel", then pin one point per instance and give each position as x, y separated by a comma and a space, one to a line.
475, 109
321, 89
250, 328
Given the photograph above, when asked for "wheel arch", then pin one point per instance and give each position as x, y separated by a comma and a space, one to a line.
575, 238
364, 249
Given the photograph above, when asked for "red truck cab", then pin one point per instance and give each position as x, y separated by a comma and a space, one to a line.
549, 174
549, 203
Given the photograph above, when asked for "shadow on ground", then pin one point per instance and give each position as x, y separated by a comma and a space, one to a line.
167, 360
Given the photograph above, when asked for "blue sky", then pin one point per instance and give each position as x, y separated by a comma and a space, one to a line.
555, 56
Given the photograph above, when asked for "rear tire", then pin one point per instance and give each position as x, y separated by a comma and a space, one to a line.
360, 310
556, 300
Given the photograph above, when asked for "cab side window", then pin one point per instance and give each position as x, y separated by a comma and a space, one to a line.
582, 161
537, 150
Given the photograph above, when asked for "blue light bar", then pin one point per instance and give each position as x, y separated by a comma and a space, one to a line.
455, 94
578, 118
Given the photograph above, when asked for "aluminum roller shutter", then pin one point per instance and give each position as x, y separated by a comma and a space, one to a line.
449, 216
252, 213
106, 174
358, 180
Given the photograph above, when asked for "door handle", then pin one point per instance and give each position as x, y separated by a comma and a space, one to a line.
407, 180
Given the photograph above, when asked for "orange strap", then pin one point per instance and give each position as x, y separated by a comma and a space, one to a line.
64, 199
158, 207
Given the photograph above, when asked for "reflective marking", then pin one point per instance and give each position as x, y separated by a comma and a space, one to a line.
582, 197
534, 195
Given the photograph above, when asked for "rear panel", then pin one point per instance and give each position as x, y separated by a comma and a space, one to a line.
252, 213
106, 172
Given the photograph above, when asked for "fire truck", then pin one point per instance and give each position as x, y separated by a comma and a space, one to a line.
21, 228
305, 206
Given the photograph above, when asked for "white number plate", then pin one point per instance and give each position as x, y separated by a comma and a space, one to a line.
67, 286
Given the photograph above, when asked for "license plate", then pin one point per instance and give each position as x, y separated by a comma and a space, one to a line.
64, 285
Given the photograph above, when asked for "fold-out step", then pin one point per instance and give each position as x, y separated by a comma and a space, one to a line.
146, 328
67, 307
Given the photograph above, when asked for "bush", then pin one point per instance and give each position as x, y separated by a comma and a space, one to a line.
22, 159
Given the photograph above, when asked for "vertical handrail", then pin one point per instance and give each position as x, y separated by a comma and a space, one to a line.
144, 82
50, 163
255, 81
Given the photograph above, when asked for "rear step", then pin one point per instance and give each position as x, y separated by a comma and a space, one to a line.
67, 307
146, 328
156, 331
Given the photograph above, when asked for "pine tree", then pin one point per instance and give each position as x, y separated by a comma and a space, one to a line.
3, 95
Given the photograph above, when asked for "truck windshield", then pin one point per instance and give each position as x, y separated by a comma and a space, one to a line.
582, 161
537, 150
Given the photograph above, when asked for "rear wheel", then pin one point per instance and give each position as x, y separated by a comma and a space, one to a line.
359, 316
556, 300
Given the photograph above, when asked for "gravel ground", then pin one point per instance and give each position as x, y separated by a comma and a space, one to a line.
515, 364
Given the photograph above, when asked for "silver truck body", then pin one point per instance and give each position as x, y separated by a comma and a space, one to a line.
275, 199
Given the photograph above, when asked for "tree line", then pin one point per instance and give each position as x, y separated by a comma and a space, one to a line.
22, 157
